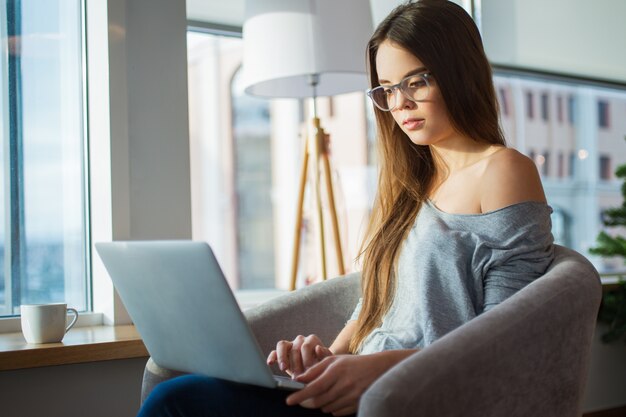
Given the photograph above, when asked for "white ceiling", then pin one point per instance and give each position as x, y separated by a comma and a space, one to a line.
225, 12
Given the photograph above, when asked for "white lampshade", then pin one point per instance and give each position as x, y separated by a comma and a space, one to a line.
286, 41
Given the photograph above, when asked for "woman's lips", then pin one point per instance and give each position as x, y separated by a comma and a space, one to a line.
413, 124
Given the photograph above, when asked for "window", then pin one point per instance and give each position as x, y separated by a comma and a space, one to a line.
246, 156
561, 226
571, 109
544, 107
530, 110
43, 231
559, 108
572, 164
561, 165
605, 167
603, 114
504, 105
545, 164
583, 154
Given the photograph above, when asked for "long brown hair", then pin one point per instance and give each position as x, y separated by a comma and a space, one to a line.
444, 37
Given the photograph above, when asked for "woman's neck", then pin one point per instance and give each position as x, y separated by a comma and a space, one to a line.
453, 158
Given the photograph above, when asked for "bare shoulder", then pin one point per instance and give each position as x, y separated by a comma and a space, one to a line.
509, 178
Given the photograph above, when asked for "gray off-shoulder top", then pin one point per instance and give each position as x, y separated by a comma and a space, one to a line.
453, 267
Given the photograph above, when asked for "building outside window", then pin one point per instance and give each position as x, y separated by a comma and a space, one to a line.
43, 233
594, 148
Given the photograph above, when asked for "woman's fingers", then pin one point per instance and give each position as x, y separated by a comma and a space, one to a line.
296, 364
297, 356
316, 387
283, 349
309, 351
272, 358
337, 382
322, 352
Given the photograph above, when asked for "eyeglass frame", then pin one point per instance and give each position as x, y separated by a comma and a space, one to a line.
398, 87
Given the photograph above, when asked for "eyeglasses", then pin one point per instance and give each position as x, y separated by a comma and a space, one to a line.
414, 87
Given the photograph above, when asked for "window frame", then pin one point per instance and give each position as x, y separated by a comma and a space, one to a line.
118, 58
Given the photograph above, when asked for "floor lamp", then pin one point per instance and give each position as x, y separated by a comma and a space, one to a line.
307, 49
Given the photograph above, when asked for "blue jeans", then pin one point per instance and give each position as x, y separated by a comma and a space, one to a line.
200, 396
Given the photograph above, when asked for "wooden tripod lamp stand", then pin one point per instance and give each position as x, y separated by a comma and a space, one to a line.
316, 148
302, 49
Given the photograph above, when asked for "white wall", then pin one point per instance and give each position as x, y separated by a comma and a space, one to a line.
566, 36
138, 129
99, 389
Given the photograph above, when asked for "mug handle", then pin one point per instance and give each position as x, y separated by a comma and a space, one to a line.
75, 312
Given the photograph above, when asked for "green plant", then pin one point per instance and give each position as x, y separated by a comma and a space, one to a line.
613, 307
613, 313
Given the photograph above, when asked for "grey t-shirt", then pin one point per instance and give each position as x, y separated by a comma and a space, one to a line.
453, 267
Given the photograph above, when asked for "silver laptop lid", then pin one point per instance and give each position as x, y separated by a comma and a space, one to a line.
184, 310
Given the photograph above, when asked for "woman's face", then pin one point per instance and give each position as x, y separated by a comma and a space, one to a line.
425, 122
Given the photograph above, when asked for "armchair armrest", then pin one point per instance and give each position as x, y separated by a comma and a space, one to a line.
526, 356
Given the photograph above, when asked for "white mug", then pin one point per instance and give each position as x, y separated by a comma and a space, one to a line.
46, 323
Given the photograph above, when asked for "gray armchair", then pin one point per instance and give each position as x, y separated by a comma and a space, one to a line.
527, 356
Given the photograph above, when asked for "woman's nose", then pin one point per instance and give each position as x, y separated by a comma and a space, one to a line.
401, 102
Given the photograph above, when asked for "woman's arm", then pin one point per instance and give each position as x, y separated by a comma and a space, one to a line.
336, 383
342, 341
509, 178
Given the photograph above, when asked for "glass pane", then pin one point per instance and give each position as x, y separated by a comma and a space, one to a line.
246, 157
253, 184
47, 215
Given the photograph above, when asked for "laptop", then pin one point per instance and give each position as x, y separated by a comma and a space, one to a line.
185, 312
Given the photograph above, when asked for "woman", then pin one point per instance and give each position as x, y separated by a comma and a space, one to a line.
460, 223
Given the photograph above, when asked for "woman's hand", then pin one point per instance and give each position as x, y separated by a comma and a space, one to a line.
336, 383
297, 356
